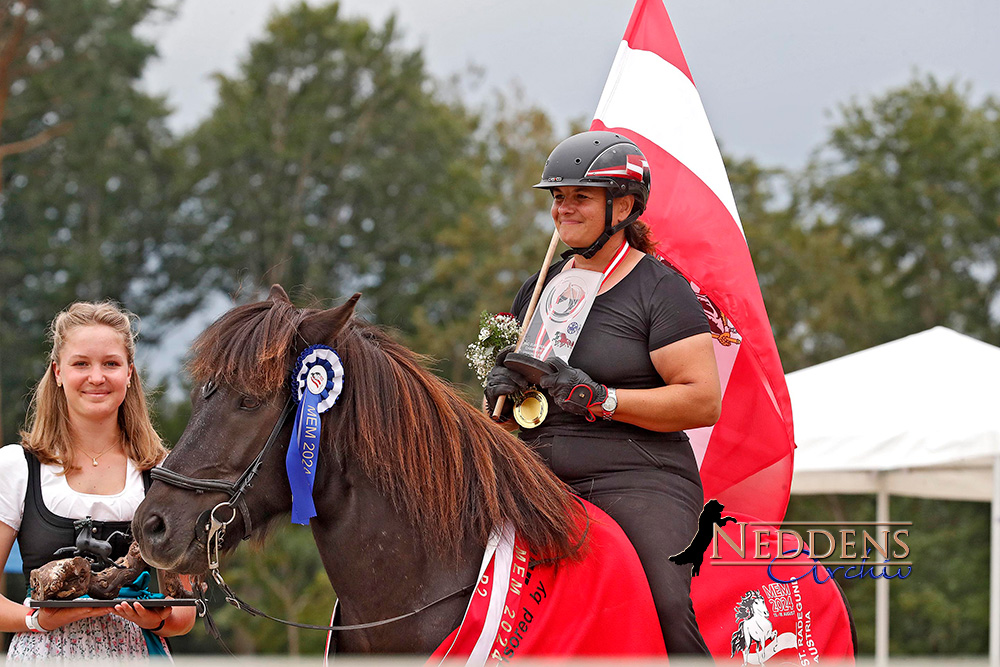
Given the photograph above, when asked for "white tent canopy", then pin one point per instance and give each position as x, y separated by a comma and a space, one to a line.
919, 416
925, 407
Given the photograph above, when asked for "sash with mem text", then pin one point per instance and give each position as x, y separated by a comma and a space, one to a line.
599, 606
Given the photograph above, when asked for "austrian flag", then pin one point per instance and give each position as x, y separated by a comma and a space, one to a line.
746, 458
635, 167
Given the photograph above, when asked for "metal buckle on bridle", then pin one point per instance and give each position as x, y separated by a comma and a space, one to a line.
216, 530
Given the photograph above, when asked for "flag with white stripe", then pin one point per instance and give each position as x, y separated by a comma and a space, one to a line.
746, 458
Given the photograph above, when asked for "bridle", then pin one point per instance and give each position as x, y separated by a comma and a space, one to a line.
215, 527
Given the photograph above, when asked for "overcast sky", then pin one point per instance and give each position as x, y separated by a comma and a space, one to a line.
769, 71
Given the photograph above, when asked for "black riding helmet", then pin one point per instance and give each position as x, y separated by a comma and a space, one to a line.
600, 159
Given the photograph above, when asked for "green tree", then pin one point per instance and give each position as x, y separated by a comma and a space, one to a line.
330, 164
25, 51
86, 173
943, 607
805, 274
908, 182
893, 228
484, 258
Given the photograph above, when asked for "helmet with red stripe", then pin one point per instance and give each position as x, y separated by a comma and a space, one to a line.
604, 160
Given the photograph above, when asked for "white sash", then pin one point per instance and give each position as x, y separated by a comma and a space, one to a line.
563, 309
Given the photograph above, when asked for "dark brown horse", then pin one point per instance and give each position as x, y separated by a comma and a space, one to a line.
410, 478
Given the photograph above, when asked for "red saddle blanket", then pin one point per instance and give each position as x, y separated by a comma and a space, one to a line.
599, 606
749, 613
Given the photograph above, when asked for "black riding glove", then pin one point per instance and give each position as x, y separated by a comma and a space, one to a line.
573, 390
502, 381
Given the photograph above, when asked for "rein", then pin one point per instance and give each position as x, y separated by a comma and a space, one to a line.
215, 529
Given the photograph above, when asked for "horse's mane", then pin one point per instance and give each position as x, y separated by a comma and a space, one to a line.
439, 460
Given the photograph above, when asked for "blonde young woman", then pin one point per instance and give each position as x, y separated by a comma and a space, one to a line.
87, 444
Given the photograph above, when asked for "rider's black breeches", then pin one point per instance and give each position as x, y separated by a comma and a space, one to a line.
652, 489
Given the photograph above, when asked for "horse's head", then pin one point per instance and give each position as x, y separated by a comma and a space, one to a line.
752, 604
241, 366
759, 607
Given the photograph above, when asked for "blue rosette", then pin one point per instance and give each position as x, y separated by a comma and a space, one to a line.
317, 381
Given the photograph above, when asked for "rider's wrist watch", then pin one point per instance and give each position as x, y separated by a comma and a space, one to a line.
610, 404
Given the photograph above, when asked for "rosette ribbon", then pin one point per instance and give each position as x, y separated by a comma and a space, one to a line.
317, 381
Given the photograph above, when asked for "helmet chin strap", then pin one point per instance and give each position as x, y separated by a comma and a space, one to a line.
609, 231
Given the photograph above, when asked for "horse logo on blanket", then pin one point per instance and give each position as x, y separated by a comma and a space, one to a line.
754, 627
755, 612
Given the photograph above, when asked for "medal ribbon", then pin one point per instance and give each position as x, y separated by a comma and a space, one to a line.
317, 383
300, 462
608, 270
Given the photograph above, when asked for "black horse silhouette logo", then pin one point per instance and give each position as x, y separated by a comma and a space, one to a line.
694, 554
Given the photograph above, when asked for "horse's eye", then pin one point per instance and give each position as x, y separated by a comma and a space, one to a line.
208, 388
249, 403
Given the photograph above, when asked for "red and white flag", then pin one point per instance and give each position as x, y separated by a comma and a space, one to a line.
650, 97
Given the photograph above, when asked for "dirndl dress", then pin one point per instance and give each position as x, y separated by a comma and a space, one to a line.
106, 640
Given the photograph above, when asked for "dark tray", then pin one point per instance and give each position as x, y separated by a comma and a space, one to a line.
90, 602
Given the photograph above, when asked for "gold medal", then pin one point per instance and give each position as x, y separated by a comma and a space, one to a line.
531, 409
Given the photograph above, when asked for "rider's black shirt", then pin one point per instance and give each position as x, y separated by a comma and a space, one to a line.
651, 307
646, 481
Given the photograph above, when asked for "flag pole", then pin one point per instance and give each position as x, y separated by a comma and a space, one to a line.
539, 284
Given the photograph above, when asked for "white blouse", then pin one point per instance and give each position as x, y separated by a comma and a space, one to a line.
57, 495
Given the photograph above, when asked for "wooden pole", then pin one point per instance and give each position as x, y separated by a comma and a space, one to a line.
539, 284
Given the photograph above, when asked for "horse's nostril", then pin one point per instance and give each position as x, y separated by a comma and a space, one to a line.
153, 526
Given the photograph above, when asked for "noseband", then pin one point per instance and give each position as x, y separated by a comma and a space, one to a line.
234, 490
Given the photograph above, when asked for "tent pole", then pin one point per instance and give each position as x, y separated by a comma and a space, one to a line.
882, 584
995, 567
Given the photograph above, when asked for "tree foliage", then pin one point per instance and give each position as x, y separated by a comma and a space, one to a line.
909, 185
893, 228
489, 252
86, 172
330, 164
804, 275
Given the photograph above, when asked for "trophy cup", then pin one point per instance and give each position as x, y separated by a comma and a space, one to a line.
552, 331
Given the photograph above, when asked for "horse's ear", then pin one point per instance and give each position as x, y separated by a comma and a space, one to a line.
323, 327
278, 294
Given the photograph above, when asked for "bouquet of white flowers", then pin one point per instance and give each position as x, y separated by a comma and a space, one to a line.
495, 333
